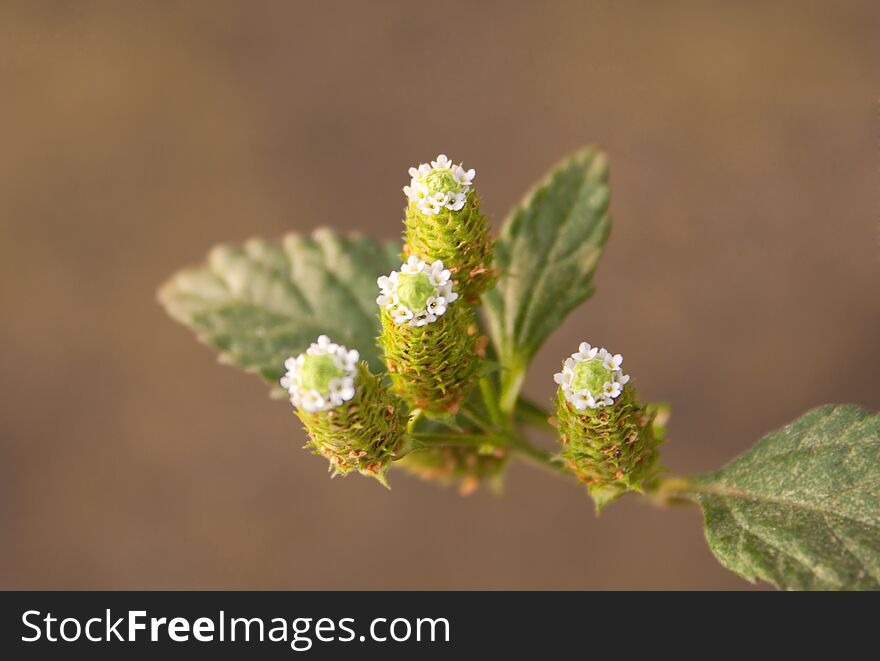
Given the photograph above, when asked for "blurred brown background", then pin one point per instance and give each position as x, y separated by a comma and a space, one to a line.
741, 280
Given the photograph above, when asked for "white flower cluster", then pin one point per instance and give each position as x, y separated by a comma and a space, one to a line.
442, 184
591, 378
418, 294
322, 377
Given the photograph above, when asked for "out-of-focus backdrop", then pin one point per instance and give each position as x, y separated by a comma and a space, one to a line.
741, 280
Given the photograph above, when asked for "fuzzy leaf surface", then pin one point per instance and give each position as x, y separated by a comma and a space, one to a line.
261, 302
801, 509
547, 253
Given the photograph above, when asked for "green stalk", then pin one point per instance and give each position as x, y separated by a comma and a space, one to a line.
490, 399
511, 383
533, 414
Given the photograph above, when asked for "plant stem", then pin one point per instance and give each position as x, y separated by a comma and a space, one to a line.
475, 417
529, 412
536, 456
518, 445
674, 490
511, 384
490, 399
440, 438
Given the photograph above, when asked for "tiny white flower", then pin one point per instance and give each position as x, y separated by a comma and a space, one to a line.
427, 208
386, 282
442, 163
613, 362
311, 401
463, 177
438, 275
446, 292
321, 346
562, 378
348, 359
341, 390
436, 305
401, 314
412, 265
439, 200
582, 400
611, 389
423, 318
585, 352
416, 193
455, 201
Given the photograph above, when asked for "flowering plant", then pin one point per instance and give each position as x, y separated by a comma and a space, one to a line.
439, 394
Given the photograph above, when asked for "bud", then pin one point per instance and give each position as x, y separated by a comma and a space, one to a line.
443, 221
429, 341
350, 417
608, 438
467, 466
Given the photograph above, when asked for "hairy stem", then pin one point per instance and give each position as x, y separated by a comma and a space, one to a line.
673, 490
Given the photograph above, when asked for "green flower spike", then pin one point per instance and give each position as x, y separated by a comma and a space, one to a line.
430, 343
349, 415
443, 221
609, 440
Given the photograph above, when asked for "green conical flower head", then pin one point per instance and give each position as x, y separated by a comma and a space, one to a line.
443, 222
429, 340
608, 438
350, 416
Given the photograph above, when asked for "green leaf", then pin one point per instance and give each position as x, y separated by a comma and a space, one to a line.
547, 253
802, 508
262, 302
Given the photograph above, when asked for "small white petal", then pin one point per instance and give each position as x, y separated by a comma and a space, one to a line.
442, 163
456, 202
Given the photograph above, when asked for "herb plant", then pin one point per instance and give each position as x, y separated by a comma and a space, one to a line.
415, 378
